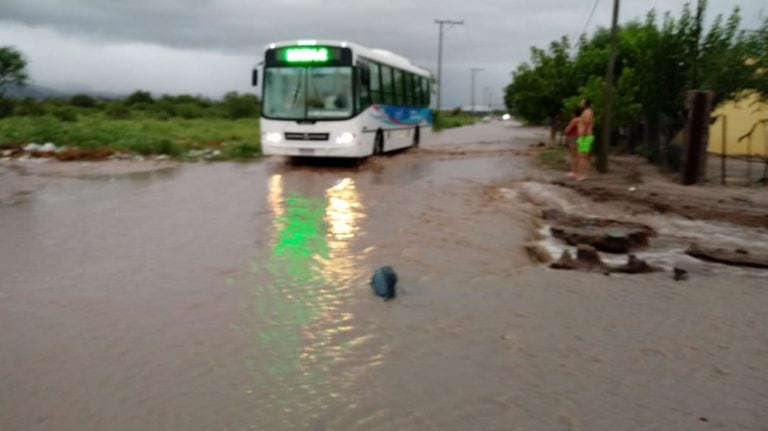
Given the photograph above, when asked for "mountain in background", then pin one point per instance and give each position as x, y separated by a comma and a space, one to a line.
65, 91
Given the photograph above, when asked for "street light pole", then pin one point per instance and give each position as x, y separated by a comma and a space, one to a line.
487, 96
441, 23
473, 71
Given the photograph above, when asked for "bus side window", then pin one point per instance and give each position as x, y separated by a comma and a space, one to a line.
407, 89
413, 97
376, 96
388, 96
426, 91
417, 96
399, 96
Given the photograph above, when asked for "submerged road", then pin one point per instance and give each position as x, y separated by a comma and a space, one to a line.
235, 296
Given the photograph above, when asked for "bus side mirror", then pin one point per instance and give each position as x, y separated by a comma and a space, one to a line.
255, 77
365, 75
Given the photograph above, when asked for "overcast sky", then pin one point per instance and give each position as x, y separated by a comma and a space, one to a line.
209, 46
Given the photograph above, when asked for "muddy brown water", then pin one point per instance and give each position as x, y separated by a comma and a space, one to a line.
235, 297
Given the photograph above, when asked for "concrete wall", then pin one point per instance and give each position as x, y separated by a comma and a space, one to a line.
741, 115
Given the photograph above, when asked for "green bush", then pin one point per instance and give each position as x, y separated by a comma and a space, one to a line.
161, 115
189, 110
117, 111
82, 101
138, 97
6, 107
141, 106
30, 108
65, 114
240, 105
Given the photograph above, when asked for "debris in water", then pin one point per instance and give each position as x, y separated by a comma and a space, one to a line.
610, 236
635, 265
383, 282
70, 154
587, 260
736, 257
680, 274
32, 146
538, 253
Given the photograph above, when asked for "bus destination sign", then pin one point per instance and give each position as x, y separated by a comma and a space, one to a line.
301, 56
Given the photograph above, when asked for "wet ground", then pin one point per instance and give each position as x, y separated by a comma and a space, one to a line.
235, 296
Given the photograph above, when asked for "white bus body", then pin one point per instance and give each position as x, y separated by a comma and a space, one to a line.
339, 99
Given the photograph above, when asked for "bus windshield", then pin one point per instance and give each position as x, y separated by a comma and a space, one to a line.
296, 93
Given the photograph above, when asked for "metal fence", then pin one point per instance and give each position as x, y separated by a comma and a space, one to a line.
742, 160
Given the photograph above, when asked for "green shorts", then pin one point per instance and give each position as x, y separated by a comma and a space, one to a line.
584, 143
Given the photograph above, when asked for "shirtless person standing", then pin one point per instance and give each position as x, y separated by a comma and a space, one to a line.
585, 140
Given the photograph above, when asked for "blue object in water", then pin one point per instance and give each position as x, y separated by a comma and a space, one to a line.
383, 282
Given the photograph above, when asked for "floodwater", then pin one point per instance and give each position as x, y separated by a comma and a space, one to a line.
235, 296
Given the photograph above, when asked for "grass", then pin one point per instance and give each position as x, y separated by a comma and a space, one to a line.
554, 158
450, 120
141, 134
152, 129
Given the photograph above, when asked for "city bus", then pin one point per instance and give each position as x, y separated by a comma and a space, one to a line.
338, 99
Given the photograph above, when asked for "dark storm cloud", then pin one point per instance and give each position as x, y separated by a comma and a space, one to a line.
497, 34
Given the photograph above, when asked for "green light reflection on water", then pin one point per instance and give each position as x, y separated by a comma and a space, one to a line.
297, 314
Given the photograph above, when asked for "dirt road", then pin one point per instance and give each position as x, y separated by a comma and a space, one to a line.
235, 296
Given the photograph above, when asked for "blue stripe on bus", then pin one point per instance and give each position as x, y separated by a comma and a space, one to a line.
401, 115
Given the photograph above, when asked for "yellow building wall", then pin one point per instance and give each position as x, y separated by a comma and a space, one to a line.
742, 115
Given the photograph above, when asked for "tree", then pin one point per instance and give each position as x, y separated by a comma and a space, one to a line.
240, 105
82, 100
756, 52
139, 97
538, 89
658, 61
12, 68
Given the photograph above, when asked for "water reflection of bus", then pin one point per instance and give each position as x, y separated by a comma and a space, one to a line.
339, 99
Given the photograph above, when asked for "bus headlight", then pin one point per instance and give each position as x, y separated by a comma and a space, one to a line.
345, 138
273, 137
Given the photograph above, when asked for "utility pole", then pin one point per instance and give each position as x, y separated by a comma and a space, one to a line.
441, 23
487, 96
473, 71
602, 144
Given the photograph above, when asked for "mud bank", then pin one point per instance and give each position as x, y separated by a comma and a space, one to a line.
641, 188
667, 247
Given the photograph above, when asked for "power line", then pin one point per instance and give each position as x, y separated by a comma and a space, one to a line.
586, 23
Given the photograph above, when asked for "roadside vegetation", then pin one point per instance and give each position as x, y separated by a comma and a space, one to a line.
658, 60
180, 126
451, 119
177, 126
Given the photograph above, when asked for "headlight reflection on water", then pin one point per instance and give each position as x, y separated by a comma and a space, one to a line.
301, 314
